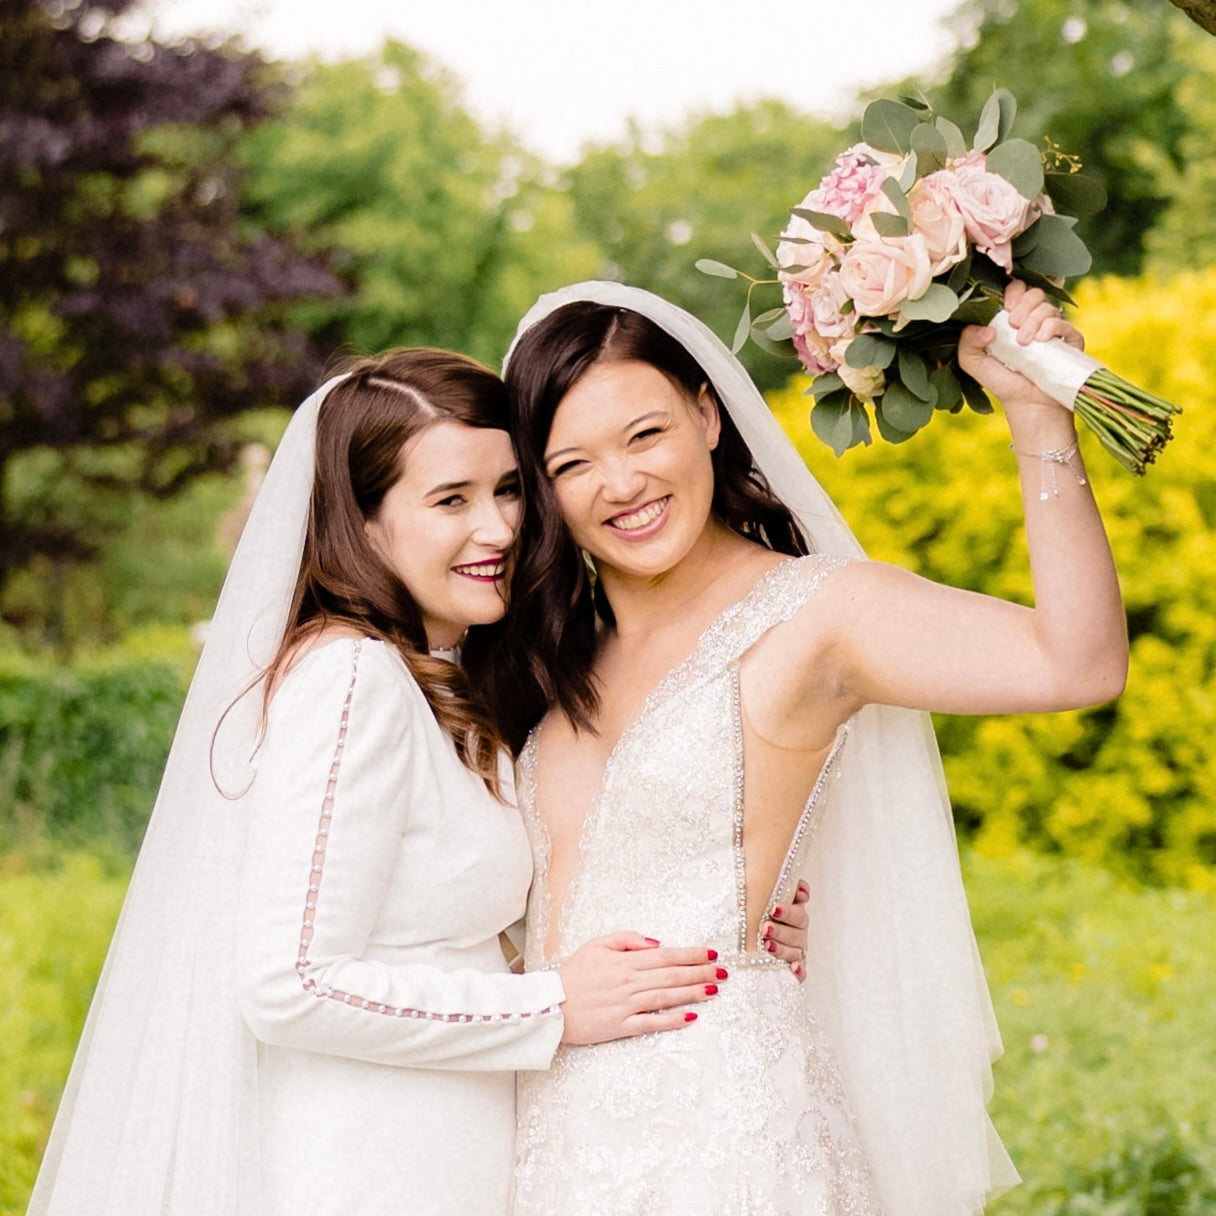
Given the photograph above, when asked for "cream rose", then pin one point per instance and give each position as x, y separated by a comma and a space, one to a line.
936, 216
880, 275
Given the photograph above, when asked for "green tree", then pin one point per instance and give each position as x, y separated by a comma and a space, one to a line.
445, 233
1102, 80
656, 206
138, 312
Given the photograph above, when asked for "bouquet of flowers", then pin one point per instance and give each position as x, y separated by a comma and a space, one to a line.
912, 235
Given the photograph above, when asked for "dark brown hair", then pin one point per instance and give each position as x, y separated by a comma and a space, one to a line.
362, 427
549, 638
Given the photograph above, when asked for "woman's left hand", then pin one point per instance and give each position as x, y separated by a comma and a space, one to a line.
784, 931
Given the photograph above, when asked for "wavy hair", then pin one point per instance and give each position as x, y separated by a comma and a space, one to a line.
362, 427
549, 638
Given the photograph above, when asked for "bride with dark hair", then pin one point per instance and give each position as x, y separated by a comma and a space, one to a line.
711, 693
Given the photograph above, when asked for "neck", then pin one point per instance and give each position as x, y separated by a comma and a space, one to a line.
642, 603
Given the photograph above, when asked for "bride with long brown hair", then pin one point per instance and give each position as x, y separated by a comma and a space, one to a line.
710, 693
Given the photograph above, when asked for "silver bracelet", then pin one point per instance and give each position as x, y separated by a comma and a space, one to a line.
1048, 461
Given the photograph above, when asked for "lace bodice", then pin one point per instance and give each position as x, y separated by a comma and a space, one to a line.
743, 1111
669, 813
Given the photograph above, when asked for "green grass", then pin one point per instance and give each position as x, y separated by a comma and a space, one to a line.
1106, 1096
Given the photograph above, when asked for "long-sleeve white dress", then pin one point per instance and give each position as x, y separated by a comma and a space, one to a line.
378, 875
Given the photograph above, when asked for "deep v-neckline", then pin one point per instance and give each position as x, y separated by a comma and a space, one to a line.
661, 692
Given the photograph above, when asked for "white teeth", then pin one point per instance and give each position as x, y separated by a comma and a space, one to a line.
483, 569
639, 519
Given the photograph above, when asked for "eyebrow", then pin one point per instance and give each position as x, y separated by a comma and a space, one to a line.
628, 426
450, 487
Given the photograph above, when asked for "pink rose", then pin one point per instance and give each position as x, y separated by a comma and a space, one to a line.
880, 275
993, 211
803, 262
813, 354
936, 216
825, 304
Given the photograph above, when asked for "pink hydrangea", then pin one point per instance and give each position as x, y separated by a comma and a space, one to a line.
850, 187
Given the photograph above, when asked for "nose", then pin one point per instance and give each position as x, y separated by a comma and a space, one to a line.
622, 480
496, 523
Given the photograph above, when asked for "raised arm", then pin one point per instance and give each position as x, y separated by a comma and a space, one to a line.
903, 640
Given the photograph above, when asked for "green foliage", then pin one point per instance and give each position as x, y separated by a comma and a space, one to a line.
81, 750
446, 234
1103, 992
54, 928
1132, 785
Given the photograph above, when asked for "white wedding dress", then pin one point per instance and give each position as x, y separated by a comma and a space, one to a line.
378, 872
743, 1112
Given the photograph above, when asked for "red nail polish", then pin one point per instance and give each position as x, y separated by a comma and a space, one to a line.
771, 947
777, 912
713, 954
797, 969
721, 973
768, 932
711, 989
690, 1017
654, 941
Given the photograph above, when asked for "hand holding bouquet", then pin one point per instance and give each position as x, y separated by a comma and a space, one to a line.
913, 235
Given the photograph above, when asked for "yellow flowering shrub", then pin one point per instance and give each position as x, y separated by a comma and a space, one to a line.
1131, 784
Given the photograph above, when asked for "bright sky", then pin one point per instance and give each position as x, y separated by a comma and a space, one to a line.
560, 72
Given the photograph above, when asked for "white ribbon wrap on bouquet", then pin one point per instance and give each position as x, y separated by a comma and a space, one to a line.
1058, 369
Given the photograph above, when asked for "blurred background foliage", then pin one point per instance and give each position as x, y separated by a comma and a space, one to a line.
188, 234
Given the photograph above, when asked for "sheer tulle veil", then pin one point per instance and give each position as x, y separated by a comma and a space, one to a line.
159, 1117
893, 971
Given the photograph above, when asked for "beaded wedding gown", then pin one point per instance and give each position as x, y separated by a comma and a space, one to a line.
744, 1111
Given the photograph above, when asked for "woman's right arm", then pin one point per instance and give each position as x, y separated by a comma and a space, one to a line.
327, 814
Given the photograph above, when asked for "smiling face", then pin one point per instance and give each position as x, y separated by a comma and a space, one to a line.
628, 456
446, 526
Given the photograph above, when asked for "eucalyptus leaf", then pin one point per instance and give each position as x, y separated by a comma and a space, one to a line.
949, 391
781, 330
960, 273
870, 350
907, 174
1075, 194
1019, 163
904, 410
1059, 252
930, 147
832, 421
824, 222
719, 270
761, 338
890, 225
887, 125
891, 188
892, 434
973, 394
979, 311
917, 103
914, 376
767, 317
825, 383
1024, 242
989, 127
937, 304
742, 330
765, 252
956, 143
1009, 111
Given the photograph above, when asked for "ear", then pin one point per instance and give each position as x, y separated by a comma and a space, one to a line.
706, 408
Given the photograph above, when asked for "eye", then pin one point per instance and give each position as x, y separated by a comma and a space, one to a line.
648, 433
452, 500
509, 489
566, 466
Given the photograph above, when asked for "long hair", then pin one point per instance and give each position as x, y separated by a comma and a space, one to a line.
362, 427
550, 634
